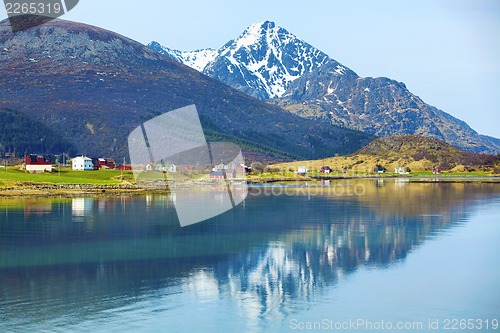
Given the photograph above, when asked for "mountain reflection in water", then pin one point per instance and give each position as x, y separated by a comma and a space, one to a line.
82, 256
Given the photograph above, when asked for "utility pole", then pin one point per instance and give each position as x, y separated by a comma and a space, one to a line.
123, 167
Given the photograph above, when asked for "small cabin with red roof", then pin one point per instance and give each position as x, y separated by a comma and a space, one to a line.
217, 175
38, 163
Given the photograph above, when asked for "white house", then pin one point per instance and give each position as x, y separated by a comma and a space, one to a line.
401, 171
220, 166
162, 167
82, 163
302, 170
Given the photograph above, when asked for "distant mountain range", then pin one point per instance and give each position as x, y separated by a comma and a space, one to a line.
271, 64
88, 88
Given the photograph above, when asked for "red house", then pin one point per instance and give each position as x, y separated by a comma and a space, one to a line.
110, 163
325, 169
124, 167
38, 163
223, 174
107, 163
217, 175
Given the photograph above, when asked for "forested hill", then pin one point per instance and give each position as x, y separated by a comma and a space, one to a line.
22, 135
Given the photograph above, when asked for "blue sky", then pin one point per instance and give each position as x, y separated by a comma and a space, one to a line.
445, 51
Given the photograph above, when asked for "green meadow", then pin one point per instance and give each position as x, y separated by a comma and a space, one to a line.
13, 175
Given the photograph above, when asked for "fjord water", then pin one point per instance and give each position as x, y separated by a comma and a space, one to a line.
287, 257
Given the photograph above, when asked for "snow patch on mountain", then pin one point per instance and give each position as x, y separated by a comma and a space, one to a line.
198, 59
250, 36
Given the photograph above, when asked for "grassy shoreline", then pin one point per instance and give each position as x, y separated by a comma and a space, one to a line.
287, 176
69, 183
66, 183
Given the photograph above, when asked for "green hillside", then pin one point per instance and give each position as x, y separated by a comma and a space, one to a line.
414, 153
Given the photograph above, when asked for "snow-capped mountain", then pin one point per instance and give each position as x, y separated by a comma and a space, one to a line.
271, 64
261, 62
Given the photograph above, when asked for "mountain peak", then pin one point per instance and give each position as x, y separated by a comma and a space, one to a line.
258, 28
268, 25
264, 32
261, 62
66, 41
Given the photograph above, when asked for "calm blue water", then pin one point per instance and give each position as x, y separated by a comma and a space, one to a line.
286, 258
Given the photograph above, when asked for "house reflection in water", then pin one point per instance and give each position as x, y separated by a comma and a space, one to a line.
37, 207
81, 207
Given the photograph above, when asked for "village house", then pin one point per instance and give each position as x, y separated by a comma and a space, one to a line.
217, 175
109, 163
103, 163
82, 163
302, 170
401, 171
96, 163
325, 169
220, 166
124, 167
223, 174
38, 163
169, 167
